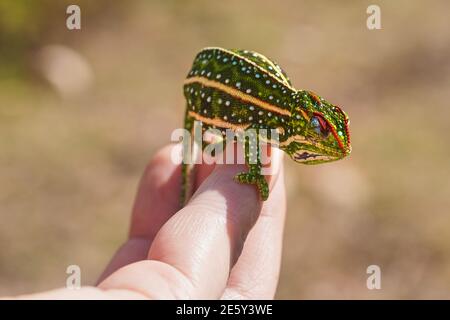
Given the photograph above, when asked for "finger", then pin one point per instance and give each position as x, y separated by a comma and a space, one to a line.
83, 293
192, 254
157, 199
158, 195
215, 225
255, 275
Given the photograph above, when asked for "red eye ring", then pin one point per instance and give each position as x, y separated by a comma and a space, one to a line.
333, 131
323, 122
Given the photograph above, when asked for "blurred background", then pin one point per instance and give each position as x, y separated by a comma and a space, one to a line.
82, 112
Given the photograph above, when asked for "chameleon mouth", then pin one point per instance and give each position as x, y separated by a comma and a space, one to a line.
307, 156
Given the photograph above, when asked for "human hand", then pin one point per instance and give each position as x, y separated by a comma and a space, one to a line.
225, 243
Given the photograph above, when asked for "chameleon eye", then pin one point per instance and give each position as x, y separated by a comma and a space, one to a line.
320, 126
315, 124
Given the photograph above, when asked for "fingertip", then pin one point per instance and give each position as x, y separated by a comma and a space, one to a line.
158, 194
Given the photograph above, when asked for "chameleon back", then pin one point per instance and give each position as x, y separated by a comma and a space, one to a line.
236, 89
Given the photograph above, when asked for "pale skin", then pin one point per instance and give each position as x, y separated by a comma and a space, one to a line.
224, 244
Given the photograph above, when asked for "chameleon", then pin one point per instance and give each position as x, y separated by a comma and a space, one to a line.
241, 90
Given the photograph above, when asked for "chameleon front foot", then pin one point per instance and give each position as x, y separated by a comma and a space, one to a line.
256, 179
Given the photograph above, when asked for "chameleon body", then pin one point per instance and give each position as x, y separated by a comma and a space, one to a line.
241, 90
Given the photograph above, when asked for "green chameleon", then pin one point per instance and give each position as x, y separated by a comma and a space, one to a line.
242, 90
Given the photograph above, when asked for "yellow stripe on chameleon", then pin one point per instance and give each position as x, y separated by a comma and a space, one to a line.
303, 140
218, 122
237, 94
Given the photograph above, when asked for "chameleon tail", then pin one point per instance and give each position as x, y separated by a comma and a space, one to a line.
187, 163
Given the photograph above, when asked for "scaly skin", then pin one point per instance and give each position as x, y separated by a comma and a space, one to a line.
241, 90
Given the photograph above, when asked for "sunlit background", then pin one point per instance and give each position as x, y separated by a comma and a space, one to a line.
82, 112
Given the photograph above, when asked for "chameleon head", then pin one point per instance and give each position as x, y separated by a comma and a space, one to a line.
320, 131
